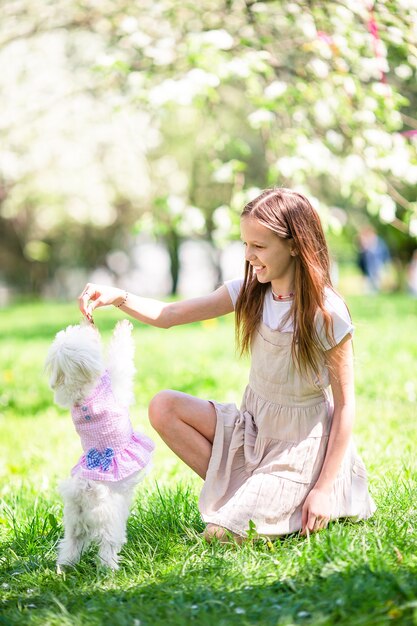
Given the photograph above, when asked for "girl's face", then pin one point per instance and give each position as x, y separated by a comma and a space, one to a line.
270, 256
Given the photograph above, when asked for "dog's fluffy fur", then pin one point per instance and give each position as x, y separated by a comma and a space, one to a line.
94, 511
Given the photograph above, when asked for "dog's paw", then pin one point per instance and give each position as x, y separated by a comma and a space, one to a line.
108, 564
112, 567
124, 326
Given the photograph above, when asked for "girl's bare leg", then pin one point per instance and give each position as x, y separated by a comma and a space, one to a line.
187, 425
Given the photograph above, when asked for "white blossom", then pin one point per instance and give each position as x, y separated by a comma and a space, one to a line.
352, 168
193, 221
306, 24
349, 86
395, 35
319, 68
201, 78
387, 209
379, 138
163, 51
275, 89
364, 116
221, 219
220, 39
412, 228
224, 173
129, 24
176, 205
403, 71
335, 139
288, 166
236, 67
323, 113
260, 117
139, 39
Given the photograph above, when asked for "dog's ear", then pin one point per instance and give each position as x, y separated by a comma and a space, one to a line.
52, 369
57, 379
81, 366
86, 368
66, 366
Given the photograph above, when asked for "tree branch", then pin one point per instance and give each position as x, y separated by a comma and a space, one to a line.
409, 120
395, 195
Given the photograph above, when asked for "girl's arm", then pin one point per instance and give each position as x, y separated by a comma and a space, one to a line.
155, 312
339, 360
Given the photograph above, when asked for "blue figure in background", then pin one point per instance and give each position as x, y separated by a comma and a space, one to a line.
373, 255
412, 275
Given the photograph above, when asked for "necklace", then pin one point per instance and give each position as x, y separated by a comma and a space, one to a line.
278, 296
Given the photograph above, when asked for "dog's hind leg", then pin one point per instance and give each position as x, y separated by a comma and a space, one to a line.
108, 554
74, 542
70, 549
76, 535
113, 528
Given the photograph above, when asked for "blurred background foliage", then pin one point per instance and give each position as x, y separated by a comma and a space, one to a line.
123, 119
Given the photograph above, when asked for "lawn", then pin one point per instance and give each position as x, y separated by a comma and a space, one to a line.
356, 574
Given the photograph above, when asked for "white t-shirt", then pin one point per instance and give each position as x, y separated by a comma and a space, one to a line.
275, 312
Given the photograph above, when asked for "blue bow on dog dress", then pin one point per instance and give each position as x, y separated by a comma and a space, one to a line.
95, 458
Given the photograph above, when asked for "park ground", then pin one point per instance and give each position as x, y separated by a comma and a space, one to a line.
350, 574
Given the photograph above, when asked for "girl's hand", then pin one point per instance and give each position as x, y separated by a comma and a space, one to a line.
94, 296
316, 511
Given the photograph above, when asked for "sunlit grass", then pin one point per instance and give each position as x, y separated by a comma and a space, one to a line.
351, 574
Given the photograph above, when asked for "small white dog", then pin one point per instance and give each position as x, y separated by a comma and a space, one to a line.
98, 495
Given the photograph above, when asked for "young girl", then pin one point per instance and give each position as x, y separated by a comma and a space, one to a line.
285, 461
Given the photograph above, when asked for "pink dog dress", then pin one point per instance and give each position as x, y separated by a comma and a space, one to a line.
112, 449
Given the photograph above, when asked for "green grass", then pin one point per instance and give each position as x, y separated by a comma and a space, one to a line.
356, 574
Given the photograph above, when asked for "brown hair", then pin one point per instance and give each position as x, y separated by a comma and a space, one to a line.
290, 215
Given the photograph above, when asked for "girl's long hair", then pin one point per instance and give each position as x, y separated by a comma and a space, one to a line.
290, 215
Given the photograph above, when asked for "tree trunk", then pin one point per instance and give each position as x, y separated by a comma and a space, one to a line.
173, 240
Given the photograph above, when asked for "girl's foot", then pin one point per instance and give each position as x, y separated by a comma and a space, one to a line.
220, 534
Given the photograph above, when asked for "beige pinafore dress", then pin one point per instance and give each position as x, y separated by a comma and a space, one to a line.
267, 456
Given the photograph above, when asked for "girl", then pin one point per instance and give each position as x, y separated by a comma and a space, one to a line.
285, 461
